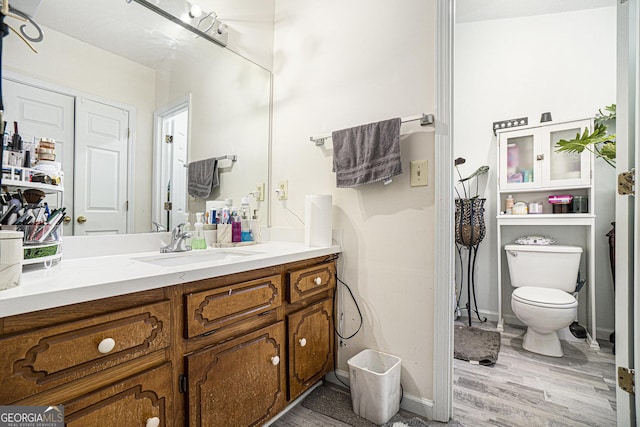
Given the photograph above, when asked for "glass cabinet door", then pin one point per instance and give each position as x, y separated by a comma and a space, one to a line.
565, 169
518, 168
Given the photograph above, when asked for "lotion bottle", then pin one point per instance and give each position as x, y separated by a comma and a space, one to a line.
198, 241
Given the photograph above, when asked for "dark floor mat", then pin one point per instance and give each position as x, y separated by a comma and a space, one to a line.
476, 345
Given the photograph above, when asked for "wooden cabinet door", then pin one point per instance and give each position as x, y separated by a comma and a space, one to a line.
311, 345
238, 383
140, 400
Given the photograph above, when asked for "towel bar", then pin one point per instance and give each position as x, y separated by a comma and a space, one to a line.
425, 120
232, 157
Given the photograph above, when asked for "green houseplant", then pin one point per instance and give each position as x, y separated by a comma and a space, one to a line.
600, 142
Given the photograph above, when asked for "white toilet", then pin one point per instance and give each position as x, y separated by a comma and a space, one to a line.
544, 278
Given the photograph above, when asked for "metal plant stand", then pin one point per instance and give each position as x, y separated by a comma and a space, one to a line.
470, 231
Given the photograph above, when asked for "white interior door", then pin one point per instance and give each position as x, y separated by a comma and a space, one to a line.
180, 124
171, 141
43, 113
102, 134
627, 207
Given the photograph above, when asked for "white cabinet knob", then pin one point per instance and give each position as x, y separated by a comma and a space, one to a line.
318, 281
106, 345
303, 342
153, 422
275, 360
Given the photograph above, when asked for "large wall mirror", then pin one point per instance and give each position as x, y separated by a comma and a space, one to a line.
165, 97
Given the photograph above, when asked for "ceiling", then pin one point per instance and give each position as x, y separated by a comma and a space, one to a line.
484, 10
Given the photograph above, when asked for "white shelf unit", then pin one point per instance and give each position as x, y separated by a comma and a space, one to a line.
540, 178
16, 177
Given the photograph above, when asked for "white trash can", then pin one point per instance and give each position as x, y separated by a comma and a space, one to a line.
375, 385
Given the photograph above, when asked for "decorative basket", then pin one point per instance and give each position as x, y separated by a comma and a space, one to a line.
470, 226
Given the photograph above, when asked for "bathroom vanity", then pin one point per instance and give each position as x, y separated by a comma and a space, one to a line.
223, 340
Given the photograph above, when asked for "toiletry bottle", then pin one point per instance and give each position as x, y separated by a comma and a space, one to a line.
236, 230
509, 204
198, 241
255, 227
225, 217
245, 211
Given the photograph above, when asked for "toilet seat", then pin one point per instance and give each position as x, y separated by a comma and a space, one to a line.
544, 297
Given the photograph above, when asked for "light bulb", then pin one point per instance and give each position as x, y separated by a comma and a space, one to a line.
195, 11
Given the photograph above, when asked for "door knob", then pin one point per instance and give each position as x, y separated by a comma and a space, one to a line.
66, 219
81, 219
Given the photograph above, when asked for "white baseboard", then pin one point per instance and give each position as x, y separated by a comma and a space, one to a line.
411, 403
601, 333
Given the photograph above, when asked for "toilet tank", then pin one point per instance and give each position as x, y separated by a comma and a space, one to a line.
552, 266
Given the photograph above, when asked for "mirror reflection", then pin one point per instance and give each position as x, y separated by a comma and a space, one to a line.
130, 99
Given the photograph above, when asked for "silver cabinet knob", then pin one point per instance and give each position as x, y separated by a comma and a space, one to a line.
317, 281
303, 342
275, 360
153, 422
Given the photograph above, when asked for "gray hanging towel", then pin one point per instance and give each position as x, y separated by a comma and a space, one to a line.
202, 177
367, 153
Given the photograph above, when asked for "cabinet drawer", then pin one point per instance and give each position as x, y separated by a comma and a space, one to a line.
310, 332
213, 309
140, 400
310, 281
39, 360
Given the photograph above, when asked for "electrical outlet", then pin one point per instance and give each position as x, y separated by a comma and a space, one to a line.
418, 173
283, 190
260, 192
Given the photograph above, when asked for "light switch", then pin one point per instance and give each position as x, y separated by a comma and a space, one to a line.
418, 173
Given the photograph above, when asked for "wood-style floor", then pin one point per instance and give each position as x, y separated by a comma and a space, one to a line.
521, 389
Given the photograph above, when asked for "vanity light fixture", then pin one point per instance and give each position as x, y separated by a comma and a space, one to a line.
191, 17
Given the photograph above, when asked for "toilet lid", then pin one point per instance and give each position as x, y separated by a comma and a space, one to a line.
544, 297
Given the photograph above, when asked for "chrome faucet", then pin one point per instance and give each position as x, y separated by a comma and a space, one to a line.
178, 241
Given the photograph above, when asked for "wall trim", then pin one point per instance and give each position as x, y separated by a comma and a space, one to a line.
444, 252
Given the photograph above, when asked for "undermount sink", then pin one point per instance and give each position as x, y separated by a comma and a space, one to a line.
191, 257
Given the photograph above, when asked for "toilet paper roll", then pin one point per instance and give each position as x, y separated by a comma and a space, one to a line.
318, 219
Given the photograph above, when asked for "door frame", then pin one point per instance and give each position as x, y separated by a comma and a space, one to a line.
444, 252
627, 319
159, 115
76, 94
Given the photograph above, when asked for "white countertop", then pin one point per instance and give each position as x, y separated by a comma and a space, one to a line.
86, 279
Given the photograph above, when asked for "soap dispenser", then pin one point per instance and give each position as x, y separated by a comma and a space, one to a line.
198, 241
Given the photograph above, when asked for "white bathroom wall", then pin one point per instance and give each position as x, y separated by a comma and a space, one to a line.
230, 114
341, 64
561, 63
